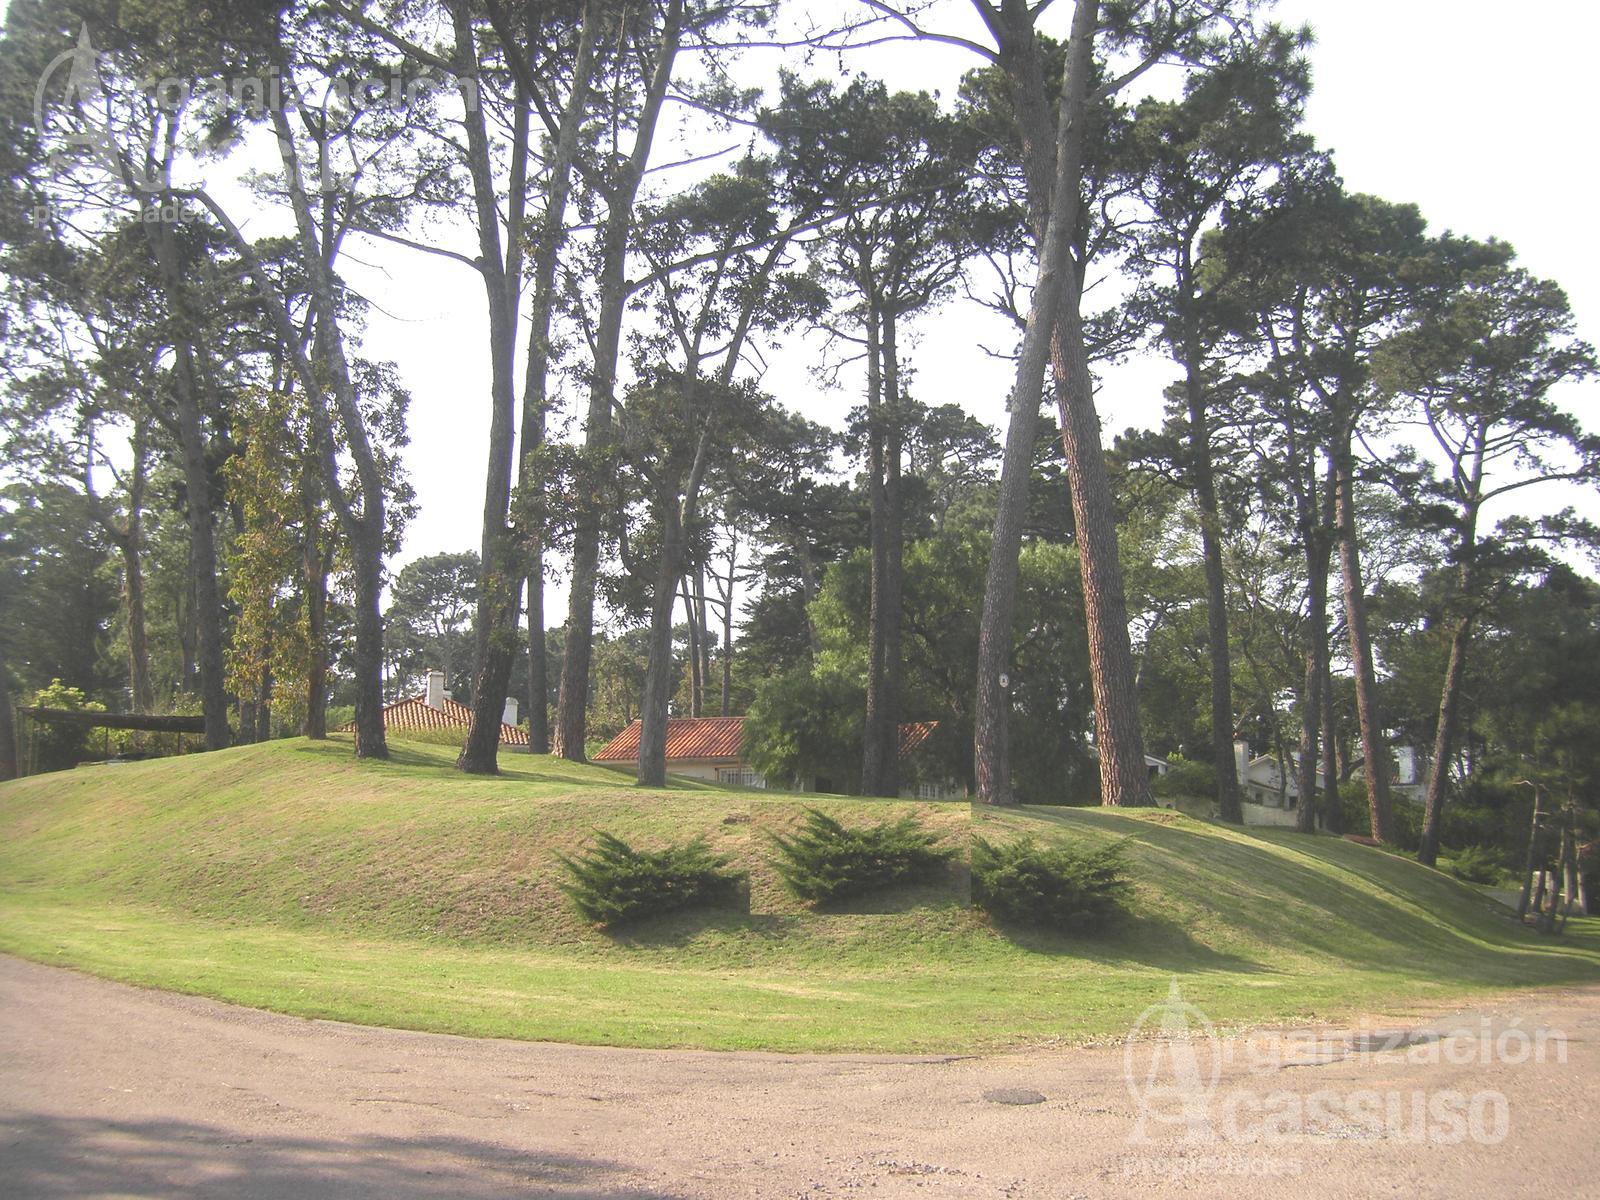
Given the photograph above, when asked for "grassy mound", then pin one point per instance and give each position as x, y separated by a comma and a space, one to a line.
290, 876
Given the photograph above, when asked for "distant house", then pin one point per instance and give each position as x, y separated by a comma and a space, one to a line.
435, 710
1272, 799
1154, 767
712, 748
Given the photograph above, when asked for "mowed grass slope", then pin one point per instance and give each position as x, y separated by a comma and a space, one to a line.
290, 876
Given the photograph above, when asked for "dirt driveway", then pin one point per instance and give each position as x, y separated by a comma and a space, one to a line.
108, 1090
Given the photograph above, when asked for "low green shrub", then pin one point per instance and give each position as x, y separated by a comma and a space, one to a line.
827, 861
1054, 887
1186, 778
1475, 864
611, 883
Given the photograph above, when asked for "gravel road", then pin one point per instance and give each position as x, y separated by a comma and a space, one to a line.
108, 1090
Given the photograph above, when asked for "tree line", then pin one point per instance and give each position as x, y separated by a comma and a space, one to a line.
1321, 549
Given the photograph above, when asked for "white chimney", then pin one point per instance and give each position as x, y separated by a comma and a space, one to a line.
435, 696
510, 714
1241, 758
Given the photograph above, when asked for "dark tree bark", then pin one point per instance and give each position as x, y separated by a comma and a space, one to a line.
87, 719
1332, 811
1054, 167
1203, 474
876, 746
316, 564
9, 765
572, 706
1444, 740
894, 536
703, 632
502, 570
551, 237
189, 390
1123, 777
727, 625
653, 713
330, 379
692, 625
538, 665
677, 514
129, 539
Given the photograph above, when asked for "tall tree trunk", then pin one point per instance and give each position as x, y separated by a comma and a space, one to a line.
131, 545
1374, 747
703, 629
572, 705
364, 528
1311, 716
880, 703
1311, 518
545, 256
654, 709
1054, 167
9, 765
315, 567
1205, 494
727, 627
894, 573
502, 569
1444, 741
1332, 810
538, 665
1124, 778
692, 629
677, 516
189, 388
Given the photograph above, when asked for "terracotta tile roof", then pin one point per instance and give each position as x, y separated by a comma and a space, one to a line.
913, 735
416, 713
696, 739
688, 739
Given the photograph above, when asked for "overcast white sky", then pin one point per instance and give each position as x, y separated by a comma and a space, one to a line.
1482, 115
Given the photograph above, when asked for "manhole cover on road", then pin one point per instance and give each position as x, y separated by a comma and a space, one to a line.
1013, 1096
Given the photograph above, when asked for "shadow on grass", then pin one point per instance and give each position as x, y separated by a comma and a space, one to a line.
678, 929
1302, 895
1133, 940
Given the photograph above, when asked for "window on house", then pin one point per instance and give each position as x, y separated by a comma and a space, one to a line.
741, 777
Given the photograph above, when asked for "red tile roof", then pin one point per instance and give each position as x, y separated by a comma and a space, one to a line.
416, 713
914, 734
697, 739
688, 739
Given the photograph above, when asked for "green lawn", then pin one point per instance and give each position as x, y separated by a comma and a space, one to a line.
290, 876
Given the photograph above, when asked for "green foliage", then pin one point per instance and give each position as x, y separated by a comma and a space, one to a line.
1475, 864
1055, 887
827, 861
944, 573
805, 727
58, 747
612, 883
1187, 778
